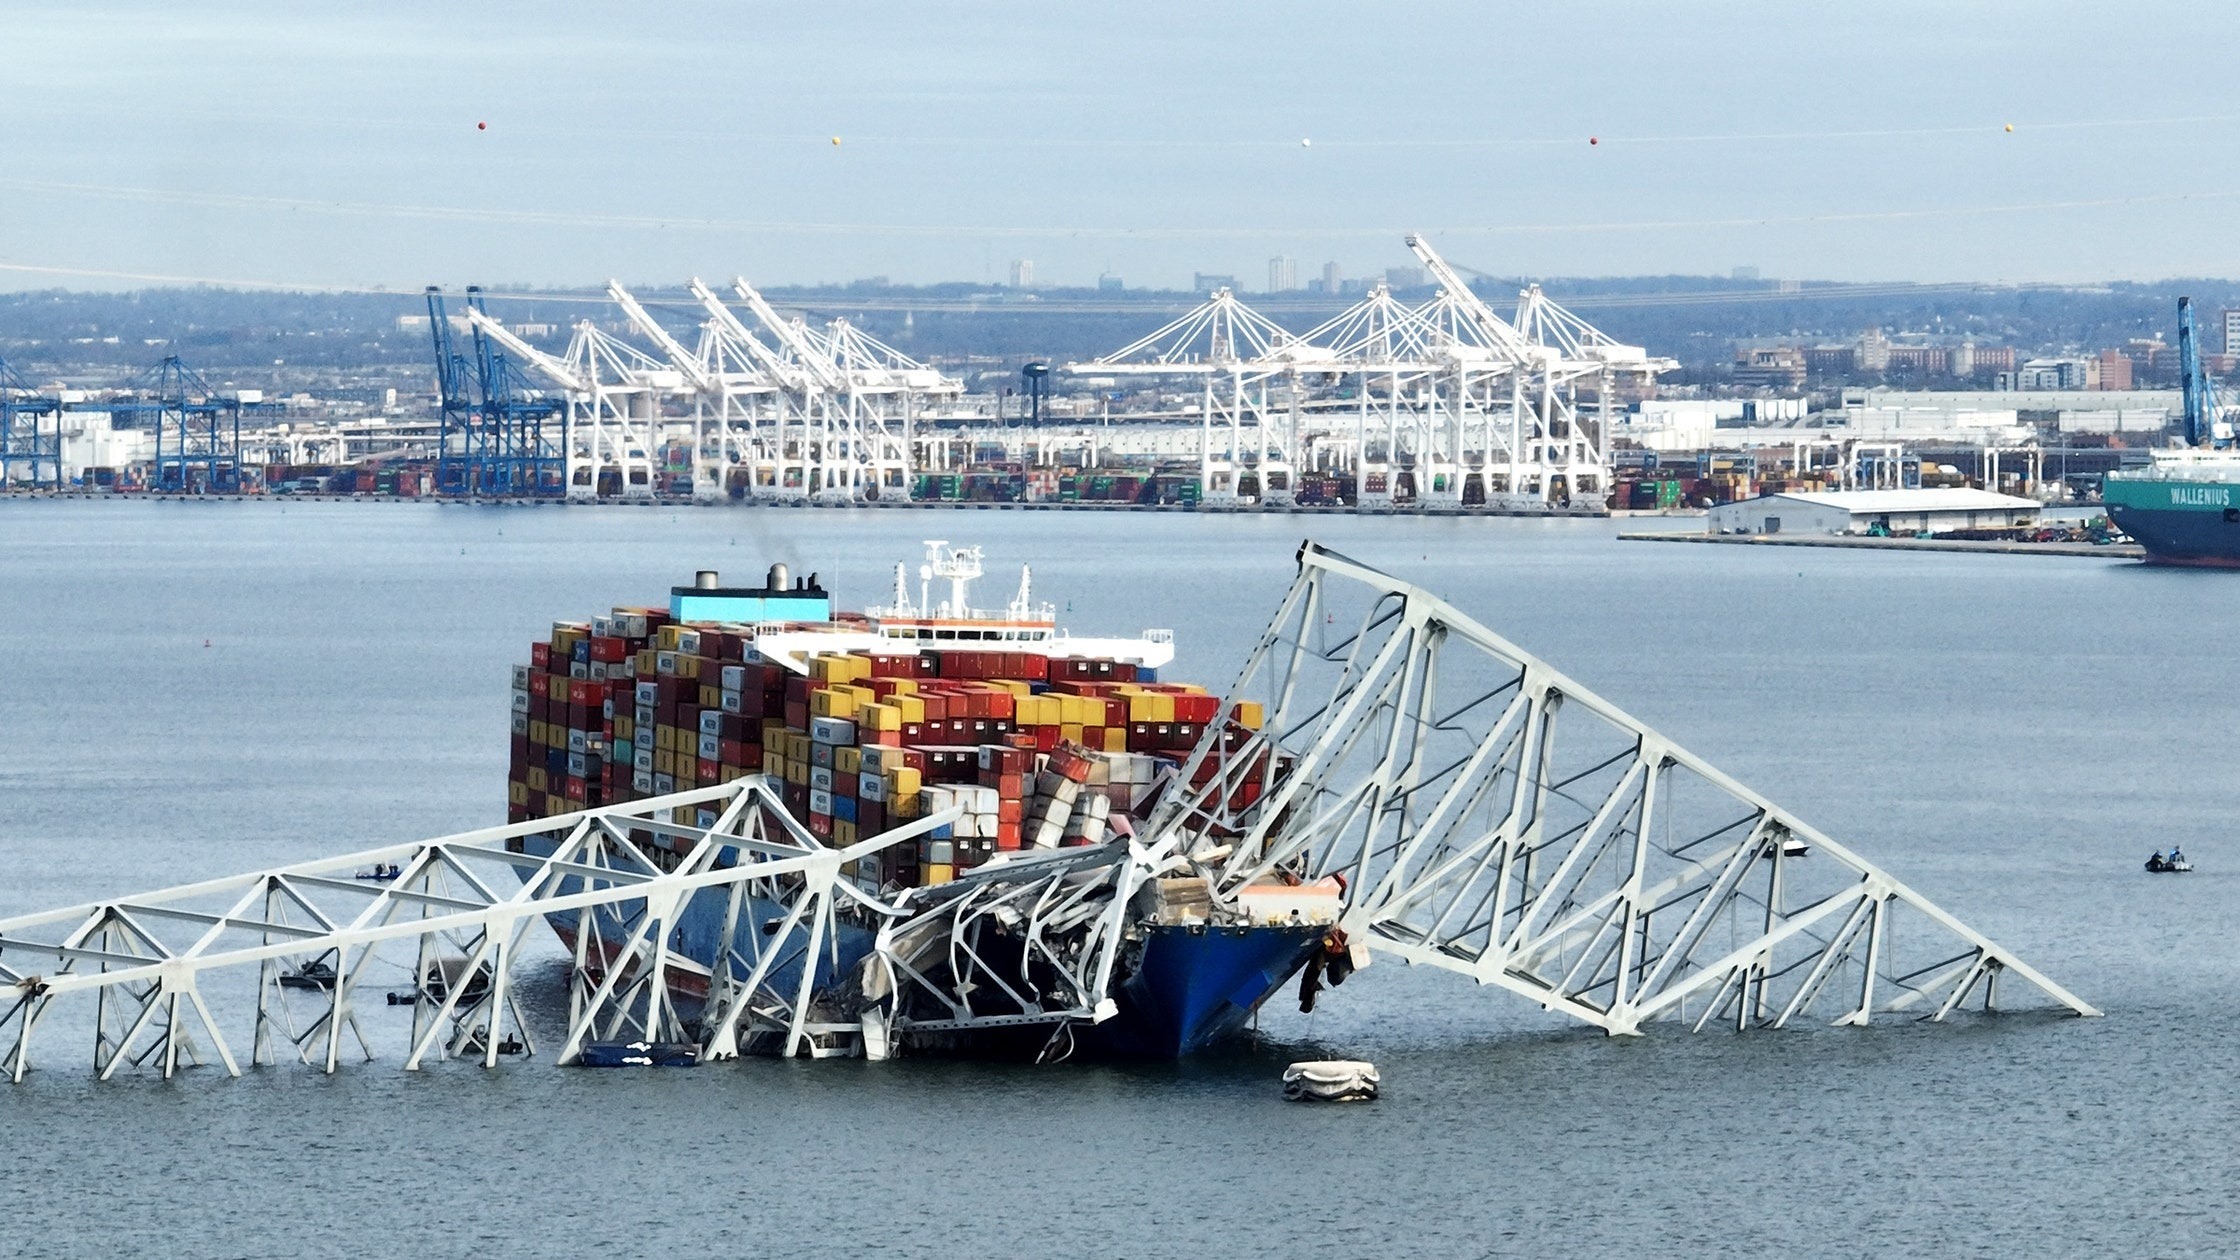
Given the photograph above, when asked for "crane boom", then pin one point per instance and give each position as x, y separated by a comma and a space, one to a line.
558, 370
1497, 331
2200, 391
680, 358
812, 358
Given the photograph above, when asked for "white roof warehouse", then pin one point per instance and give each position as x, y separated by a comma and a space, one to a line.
1856, 511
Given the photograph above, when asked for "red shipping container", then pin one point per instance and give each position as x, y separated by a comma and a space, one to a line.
540, 656
710, 772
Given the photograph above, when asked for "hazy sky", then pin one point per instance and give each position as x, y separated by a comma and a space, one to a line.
336, 144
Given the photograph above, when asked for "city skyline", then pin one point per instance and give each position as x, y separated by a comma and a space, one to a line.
417, 144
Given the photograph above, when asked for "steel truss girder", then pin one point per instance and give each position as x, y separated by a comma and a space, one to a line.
157, 963
1033, 940
1494, 818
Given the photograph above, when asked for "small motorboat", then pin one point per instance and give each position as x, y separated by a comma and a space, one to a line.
381, 873
2175, 864
311, 975
639, 1054
1331, 1080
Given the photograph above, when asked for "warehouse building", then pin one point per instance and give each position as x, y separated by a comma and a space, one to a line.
1859, 511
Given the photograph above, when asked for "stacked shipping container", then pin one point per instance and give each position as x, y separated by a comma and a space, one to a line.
1037, 752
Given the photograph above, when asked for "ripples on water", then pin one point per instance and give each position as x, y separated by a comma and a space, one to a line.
2011, 735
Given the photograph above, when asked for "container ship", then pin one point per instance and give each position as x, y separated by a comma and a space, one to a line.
2183, 508
1039, 740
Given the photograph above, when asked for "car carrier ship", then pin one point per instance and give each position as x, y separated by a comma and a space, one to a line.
1041, 742
2183, 507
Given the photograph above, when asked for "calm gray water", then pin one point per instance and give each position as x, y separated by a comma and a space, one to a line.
2011, 735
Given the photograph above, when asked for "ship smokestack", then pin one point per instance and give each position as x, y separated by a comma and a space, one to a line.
779, 577
704, 580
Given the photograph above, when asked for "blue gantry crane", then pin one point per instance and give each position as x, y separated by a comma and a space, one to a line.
30, 433
500, 436
2200, 391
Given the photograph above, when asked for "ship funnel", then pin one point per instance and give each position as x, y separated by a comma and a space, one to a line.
704, 580
779, 578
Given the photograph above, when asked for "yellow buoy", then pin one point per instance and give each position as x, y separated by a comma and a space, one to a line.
836, 139
2010, 126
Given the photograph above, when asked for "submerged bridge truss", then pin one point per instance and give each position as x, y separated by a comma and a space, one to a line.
294, 951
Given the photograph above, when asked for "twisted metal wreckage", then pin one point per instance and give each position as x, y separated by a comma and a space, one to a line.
1485, 814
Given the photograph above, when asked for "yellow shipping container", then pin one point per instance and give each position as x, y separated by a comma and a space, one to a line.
667, 640
879, 717
1250, 715
797, 771
910, 805
826, 702
940, 873
556, 688
711, 697
648, 660
773, 762
517, 792
905, 781
912, 708
848, 760
1070, 732
1115, 739
539, 780
843, 833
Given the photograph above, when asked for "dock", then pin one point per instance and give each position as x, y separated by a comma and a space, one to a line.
1854, 542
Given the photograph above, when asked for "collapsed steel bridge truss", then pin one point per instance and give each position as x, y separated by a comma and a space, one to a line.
1494, 818
295, 951
1487, 815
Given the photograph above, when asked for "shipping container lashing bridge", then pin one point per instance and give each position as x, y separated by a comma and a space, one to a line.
1484, 813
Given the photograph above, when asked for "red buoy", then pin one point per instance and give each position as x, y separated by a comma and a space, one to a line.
482, 126
1594, 139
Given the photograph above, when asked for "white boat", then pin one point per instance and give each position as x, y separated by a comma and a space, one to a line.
1331, 1080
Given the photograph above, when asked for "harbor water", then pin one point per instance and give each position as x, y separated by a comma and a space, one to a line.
195, 689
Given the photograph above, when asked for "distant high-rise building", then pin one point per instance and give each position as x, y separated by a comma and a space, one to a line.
1874, 351
1109, 283
1331, 280
2115, 370
1022, 273
2231, 332
1283, 275
1964, 359
1207, 282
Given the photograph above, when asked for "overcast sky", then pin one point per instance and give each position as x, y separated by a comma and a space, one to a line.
336, 144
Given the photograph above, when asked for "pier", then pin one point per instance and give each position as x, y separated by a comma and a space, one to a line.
1856, 542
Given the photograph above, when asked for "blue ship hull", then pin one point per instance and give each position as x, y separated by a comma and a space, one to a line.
1191, 987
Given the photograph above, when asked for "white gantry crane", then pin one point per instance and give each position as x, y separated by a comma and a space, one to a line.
1236, 355
1477, 810
775, 410
1445, 406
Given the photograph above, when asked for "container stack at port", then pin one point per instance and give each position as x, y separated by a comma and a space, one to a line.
1036, 752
